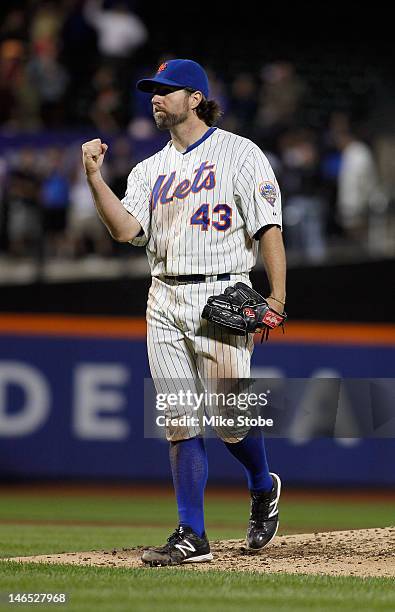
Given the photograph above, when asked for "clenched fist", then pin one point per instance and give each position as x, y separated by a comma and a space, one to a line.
93, 153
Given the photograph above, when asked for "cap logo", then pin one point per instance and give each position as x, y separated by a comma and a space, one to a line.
162, 67
268, 191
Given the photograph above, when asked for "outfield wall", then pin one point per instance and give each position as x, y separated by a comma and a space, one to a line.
71, 401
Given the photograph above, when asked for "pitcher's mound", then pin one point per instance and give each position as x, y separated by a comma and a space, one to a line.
362, 552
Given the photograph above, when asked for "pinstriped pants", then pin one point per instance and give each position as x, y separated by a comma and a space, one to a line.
186, 351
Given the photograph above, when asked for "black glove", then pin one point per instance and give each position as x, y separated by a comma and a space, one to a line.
241, 310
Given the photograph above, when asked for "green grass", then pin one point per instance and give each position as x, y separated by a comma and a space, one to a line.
228, 515
26, 540
139, 520
143, 590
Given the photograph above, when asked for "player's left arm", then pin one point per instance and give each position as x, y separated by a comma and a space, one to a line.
271, 247
258, 197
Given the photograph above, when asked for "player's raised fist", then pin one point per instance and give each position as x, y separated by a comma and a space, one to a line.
93, 153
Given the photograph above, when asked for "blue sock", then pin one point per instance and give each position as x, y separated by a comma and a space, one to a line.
189, 467
251, 453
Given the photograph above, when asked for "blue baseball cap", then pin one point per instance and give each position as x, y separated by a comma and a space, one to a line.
177, 73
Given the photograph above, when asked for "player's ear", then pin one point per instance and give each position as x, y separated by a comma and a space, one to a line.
196, 97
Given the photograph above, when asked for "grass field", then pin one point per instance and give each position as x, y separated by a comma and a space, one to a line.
56, 522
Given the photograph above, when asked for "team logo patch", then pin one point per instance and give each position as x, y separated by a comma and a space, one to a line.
268, 191
162, 67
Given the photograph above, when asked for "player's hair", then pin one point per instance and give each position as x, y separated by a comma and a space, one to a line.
208, 111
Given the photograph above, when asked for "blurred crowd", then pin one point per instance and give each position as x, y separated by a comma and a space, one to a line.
72, 64
47, 207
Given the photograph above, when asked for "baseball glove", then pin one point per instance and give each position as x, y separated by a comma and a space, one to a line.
241, 310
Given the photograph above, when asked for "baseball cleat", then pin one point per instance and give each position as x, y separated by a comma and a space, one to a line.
183, 546
263, 523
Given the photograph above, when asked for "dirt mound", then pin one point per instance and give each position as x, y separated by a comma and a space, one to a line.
362, 552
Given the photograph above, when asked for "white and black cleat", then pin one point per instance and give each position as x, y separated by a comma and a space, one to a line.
263, 523
183, 546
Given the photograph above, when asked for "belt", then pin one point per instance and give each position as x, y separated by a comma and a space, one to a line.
198, 278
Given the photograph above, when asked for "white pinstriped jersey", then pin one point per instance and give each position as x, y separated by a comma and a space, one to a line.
201, 209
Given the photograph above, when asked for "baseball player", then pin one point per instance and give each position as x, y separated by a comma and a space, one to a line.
204, 207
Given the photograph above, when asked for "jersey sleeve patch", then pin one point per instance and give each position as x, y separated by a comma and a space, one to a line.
268, 191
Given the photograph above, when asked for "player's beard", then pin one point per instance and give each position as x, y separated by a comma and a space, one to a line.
165, 120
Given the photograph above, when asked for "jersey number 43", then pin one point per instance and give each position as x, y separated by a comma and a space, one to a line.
221, 223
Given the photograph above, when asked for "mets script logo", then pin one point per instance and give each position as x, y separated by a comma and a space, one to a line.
166, 189
268, 191
162, 67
